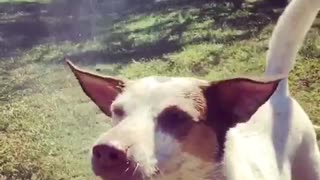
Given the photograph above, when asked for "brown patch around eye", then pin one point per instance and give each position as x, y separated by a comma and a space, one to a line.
175, 121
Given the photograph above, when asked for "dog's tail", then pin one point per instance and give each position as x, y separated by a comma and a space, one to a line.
289, 34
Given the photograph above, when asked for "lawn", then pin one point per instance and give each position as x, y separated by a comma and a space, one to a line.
47, 124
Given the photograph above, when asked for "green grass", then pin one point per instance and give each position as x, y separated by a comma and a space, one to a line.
47, 124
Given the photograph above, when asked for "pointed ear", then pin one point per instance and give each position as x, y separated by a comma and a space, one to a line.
236, 100
100, 89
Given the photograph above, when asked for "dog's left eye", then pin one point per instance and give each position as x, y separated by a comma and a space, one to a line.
118, 111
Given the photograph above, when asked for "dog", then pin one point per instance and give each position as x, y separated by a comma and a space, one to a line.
170, 128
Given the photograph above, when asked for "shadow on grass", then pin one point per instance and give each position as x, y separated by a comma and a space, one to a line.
24, 25
250, 21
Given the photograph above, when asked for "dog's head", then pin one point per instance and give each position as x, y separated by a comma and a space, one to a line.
164, 124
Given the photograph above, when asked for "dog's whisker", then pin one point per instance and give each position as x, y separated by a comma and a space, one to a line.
127, 169
135, 169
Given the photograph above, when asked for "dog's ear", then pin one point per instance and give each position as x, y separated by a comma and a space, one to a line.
236, 100
101, 90
232, 101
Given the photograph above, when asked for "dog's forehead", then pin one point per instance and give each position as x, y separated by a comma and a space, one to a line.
163, 85
157, 93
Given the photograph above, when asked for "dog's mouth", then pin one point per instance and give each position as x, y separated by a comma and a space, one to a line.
130, 170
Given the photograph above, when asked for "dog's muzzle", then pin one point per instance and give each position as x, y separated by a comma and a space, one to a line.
112, 163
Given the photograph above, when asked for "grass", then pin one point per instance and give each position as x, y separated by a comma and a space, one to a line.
47, 124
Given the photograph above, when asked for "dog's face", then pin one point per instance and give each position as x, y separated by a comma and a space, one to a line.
168, 127
157, 125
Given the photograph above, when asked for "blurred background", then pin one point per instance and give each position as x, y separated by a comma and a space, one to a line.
47, 124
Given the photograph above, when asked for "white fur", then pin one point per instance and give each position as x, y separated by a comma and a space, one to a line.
289, 34
279, 141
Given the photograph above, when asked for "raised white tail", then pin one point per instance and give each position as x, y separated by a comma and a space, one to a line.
289, 34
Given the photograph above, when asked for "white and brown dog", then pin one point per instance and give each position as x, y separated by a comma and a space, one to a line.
172, 128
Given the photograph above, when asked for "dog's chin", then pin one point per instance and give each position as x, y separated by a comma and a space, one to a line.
129, 175
117, 174
124, 172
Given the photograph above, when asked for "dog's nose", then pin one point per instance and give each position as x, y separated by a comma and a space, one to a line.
109, 154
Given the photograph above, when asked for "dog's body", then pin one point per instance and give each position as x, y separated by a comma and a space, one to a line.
279, 141
184, 128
